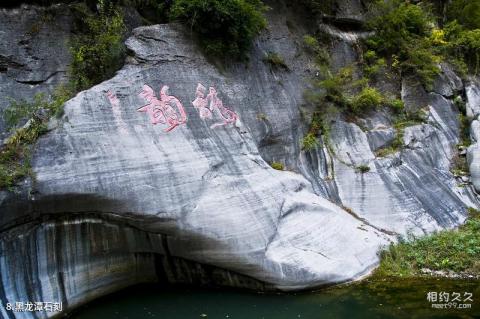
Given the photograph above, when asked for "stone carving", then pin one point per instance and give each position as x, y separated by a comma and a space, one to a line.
115, 103
113, 99
166, 110
209, 105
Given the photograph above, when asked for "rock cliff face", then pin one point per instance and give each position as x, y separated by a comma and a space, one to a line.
125, 194
34, 52
473, 112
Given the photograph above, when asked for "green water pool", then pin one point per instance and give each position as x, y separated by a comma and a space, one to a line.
379, 299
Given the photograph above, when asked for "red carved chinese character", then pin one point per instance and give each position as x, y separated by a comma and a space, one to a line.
163, 110
200, 103
115, 103
211, 104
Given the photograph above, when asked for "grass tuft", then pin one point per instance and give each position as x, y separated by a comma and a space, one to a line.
278, 166
456, 250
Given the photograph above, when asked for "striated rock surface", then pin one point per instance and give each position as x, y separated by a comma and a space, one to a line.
472, 91
34, 52
118, 200
206, 191
473, 111
473, 160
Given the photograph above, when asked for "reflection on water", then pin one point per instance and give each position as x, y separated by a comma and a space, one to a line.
389, 299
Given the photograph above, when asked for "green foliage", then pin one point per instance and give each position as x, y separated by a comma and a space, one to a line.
319, 7
466, 12
309, 141
456, 250
397, 105
421, 60
396, 23
465, 123
333, 93
459, 166
153, 11
370, 56
368, 99
275, 61
401, 121
61, 95
15, 154
98, 51
464, 45
403, 34
406, 119
277, 165
311, 42
318, 126
224, 27
14, 164
333, 87
374, 68
262, 117
363, 169
335, 90
23, 110
96, 54
385, 151
321, 55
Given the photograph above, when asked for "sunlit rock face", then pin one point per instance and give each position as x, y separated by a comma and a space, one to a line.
200, 182
473, 112
162, 174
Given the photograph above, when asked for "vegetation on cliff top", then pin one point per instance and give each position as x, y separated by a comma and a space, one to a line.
98, 51
224, 27
414, 40
402, 35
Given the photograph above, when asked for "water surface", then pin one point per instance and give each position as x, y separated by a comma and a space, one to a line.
389, 299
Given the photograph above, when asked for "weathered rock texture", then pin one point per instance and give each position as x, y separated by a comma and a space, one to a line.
117, 200
473, 112
34, 52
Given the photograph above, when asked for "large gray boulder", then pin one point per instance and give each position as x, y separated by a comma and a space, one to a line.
447, 83
415, 183
204, 193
